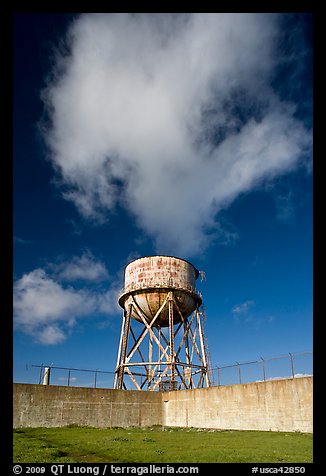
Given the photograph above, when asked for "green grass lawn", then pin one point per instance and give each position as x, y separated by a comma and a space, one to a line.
152, 445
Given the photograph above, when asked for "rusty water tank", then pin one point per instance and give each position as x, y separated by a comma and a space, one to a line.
148, 281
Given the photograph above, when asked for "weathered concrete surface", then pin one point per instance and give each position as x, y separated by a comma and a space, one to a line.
54, 406
277, 405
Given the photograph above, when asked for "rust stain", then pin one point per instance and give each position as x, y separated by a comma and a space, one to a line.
149, 279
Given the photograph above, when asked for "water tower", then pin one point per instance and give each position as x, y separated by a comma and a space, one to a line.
162, 345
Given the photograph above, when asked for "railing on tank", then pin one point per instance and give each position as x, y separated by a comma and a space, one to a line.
292, 365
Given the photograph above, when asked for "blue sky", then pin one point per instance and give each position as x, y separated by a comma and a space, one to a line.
186, 135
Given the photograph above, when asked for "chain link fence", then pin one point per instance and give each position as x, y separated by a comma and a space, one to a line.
292, 365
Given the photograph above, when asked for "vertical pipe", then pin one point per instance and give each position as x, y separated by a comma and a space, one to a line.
201, 339
171, 328
150, 359
187, 371
159, 349
119, 351
124, 347
46, 376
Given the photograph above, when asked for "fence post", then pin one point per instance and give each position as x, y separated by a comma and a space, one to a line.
95, 378
41, 371
239, 371
292, 366
264, 374
68, 377
218, 376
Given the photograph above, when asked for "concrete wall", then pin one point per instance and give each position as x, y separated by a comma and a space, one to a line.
53, 406
277, 405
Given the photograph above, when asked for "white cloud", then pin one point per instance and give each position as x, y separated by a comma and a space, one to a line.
21, 241
85, 268
243, 313
42, 306
64, 379
243, 308
50, 335
285, 208
39, 293
285, 378
48, 310
145, 113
